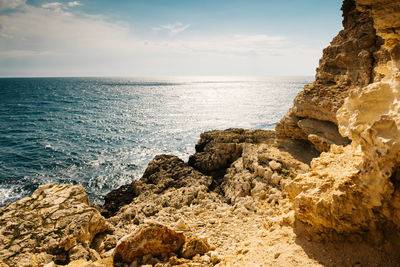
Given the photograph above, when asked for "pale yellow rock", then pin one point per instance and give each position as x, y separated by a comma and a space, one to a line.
54, 220
152, 239
354, 189
194, 246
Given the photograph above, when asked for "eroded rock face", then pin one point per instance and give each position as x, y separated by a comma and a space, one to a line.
355, 189
168, 182
163, 175
259, 169
216, 150
349, 62
56, 223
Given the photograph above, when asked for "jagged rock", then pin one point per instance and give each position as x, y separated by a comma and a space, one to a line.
163, 174
276, 178
167, 182
118, 198
216, 150
237, 182
354, 189
276, 166
322, 133
251, 174
153, 239
53, 221
194, 246
351, 61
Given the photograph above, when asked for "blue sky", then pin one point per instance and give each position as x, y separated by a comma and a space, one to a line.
165, 37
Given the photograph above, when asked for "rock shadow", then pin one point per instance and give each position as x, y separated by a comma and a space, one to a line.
347, 251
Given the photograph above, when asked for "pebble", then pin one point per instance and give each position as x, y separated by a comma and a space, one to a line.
275, 179
275, 165
215, 257
181, 225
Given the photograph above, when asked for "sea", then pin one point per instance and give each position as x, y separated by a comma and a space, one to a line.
102, 132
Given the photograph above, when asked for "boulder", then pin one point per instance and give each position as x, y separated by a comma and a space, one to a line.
151, 239
194, 246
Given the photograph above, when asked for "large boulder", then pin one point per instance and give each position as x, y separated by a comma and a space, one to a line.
152, 239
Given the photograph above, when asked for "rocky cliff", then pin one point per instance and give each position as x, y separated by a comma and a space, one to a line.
354, 189
252, 197
354, 59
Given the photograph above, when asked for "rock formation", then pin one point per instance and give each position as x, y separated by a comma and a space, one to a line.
57, 223
252, 197
153, 240
354, 189
348, 63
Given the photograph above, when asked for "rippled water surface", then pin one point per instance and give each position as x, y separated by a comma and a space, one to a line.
102, 132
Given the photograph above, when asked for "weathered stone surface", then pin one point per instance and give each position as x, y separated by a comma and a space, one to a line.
322, 133
355, 189
194, 246
252, 173
53, 221
167, 182
151, 239
118, 198
216, 150
351, 61
165, 173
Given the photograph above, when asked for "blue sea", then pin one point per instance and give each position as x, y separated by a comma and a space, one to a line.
102, 132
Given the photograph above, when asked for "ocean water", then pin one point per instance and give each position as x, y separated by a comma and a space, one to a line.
102, 132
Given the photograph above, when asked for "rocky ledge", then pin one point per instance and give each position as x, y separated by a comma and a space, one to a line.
320, 190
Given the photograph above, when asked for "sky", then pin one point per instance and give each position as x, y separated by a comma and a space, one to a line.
165, 37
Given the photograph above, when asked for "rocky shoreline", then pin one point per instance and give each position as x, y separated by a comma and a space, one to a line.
320, 190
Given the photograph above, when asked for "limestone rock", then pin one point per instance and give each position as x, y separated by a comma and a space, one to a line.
194, 246
118, 198
167, 182
151, 239
276, 178
275, 165
322, 134
252, 174
216, 150
53, 221
355, 189
351, 61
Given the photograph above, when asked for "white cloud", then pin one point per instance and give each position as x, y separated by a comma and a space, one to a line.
40, 41
58, 7
173, 29
10, 4
74, 3
54, 6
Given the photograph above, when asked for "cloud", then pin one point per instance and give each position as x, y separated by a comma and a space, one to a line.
54, 6
48, 41
60, 7
10, 4
74, 3
173, 29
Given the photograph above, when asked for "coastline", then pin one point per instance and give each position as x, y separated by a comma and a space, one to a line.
320, 190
